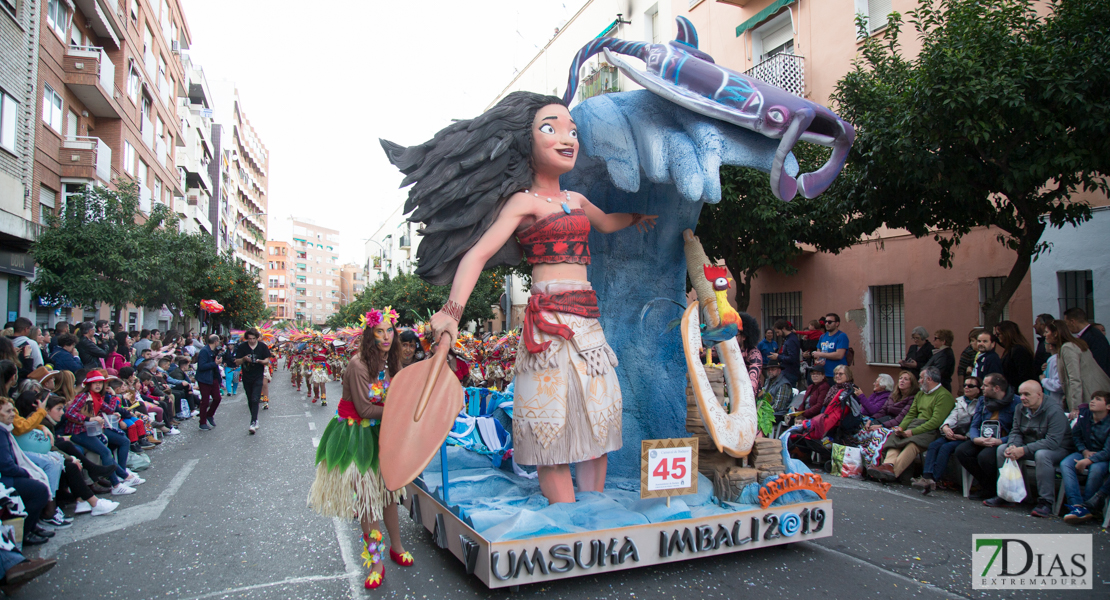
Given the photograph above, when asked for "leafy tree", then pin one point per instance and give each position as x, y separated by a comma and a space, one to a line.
414, 299
751, 229
228, 282
998, 122
93, 252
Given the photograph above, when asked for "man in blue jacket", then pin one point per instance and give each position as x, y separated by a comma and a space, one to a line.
63, 358
979, 453
208, 379
1091, 436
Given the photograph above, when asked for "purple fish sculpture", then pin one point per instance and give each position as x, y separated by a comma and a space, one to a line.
682, 74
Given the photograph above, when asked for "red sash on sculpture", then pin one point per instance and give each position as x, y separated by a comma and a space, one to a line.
575, 302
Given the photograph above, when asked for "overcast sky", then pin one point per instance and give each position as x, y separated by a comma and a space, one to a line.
322, 81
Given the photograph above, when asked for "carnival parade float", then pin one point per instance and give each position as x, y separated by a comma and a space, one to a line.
668, 494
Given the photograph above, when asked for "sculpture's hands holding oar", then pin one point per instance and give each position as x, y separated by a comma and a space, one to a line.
441, 323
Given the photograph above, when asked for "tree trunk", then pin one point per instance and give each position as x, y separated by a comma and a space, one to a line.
992, 310
744, 291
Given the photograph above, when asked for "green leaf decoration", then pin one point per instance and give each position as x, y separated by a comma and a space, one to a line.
766, 414
338, 443
322, 448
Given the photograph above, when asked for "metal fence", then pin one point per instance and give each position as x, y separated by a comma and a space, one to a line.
783, 70
887, 316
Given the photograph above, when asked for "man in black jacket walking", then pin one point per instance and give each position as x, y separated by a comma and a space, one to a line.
252, 355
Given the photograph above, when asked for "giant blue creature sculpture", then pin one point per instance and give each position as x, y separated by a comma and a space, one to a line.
656, 152
681, 73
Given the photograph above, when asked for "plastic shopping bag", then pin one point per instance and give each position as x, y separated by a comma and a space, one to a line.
852, 465
1011, 484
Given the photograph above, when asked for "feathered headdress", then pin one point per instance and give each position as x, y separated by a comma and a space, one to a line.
375, 316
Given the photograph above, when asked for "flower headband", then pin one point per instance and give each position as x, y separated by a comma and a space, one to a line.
375, 316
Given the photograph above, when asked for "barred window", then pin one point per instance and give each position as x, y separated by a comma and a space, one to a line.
887, 315
988, 289
782, 305
1076, 288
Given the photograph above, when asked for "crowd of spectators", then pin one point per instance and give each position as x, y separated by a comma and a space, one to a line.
1042, 405
82, 406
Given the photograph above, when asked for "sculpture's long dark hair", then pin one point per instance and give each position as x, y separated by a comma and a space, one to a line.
461, 179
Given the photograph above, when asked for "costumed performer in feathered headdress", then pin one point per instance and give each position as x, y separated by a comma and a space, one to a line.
344, 466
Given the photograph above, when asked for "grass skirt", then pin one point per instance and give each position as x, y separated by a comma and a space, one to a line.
347, 481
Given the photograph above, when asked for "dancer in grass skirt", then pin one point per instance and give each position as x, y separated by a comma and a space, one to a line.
347, 478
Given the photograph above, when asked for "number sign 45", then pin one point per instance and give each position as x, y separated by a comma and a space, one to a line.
669, 467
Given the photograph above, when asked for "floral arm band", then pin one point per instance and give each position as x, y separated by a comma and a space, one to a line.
452, 309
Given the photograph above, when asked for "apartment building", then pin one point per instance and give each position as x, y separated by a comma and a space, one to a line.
197, 152
279, 279
108, 81
352, 282
891, 282
244, 185
316, 271
18, 102
391, 248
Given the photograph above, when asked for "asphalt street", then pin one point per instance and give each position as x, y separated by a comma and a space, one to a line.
223, 515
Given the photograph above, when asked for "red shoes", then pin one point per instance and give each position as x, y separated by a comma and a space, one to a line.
404, 559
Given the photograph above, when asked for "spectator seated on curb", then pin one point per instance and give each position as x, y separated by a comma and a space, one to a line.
814, 398
132, 422
880, 392
990, 429
93, 405
1040, 433
152, 392
877, 427
1092, 456
19, 473
55, 415
919, 428
953, 432
836, 408
65, 357
778, 386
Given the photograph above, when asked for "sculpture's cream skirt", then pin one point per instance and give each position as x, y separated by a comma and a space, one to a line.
566, 400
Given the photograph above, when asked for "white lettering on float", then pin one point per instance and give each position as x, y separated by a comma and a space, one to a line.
562, 558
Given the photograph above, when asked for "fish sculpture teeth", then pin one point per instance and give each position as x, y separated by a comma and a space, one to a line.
682, 74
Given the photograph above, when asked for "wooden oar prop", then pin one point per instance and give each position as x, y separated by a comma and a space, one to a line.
424, 399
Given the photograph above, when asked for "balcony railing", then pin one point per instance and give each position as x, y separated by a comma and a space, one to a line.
601, 81
91, 75
148, 132
93, 157
786, 71
144, 199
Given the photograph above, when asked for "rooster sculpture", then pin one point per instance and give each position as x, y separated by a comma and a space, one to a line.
730, 323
